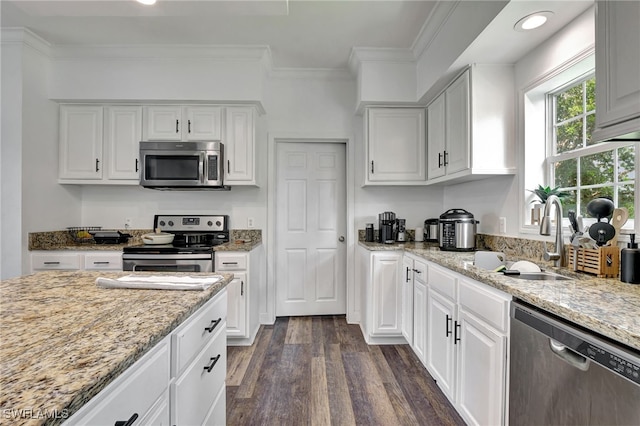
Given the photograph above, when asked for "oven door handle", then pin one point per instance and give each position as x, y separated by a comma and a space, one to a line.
156, 256
156, 265
202, 167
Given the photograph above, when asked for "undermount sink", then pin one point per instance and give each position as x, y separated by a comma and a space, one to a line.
547, 276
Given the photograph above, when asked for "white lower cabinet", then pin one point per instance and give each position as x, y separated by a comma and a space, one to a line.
98, 260
242, 310
407, 299
467, 344
414, 304
382, 310
180, 381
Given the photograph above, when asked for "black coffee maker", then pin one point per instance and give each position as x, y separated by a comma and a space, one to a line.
387, 227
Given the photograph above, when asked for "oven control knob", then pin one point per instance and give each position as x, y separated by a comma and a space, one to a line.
162, 223
170, 223
218, 223
210, 223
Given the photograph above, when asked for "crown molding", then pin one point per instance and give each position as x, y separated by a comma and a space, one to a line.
311, 73
174, 51
359, 55
435, 22
26, 37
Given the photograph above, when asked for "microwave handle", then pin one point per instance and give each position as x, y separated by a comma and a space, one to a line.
202, 168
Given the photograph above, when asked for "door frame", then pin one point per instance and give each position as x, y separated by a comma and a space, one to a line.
274, 138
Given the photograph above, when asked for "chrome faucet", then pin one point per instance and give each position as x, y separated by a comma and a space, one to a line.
545, 229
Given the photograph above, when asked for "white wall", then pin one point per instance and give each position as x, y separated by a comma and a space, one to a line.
502, 196
31, 198
11, 158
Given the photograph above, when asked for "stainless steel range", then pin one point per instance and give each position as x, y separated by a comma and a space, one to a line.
191, 249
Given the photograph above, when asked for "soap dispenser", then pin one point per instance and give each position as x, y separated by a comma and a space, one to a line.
630, 263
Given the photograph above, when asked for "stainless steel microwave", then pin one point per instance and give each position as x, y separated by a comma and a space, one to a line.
182, 165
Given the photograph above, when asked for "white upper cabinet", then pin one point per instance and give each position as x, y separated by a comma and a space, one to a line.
95, 138
470, 126
81, 139
617, 68
239, 146
123, 132
182, 123
395, 146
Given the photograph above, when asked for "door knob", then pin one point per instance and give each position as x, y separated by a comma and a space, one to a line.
341, 239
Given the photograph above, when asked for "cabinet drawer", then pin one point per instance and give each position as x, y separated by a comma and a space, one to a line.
191, 337
135, 392
230, 261
66, 261
488, 304
103, 261
442, 281
420, 271
194, 392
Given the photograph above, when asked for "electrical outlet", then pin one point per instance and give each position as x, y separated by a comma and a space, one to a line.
502, 225
127, 223
250, 223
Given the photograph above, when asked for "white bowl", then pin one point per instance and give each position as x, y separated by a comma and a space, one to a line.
158, 238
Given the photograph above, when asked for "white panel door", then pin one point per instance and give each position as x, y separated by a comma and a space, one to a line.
310, 222
457, 118
123, 133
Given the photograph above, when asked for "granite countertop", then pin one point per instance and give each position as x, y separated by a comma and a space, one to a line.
64, 339
241, 240
604, 305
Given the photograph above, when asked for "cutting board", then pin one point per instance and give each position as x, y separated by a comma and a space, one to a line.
489, 260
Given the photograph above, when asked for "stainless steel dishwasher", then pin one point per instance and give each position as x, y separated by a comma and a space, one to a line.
561, 374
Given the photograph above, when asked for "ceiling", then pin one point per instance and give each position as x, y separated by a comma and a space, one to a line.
299, 33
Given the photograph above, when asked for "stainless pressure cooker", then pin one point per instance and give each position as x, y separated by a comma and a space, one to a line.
457, 230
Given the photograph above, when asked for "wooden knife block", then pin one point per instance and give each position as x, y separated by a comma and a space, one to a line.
604, 262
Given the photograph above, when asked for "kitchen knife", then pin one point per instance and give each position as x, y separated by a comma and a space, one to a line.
573, 221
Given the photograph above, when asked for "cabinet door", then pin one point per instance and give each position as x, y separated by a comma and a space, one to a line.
123, 133
162, 123
420, 320
481, 372
387, 295
436, 137
239, 146
203, 124
81, 133
237, 306
617, 62
396, 145
407, 299
457, 118
440, 341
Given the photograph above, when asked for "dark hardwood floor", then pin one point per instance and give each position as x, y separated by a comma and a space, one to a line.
319, 371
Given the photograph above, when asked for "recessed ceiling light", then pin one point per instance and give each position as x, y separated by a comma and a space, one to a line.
532, 21
147, 2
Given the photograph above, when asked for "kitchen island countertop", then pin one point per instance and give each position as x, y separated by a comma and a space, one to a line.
64, 339
604, 305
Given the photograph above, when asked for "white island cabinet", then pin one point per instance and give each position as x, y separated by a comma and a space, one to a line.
180, 381
617, 69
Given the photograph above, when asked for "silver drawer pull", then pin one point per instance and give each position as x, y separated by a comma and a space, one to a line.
229, 263
214, 360
213, 325
101, 263
51, 263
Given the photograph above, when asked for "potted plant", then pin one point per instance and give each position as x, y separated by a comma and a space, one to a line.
543, 193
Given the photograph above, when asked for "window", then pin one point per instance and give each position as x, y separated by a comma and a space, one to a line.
579, 166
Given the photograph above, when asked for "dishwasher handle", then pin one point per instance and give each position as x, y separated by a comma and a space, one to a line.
567, 355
